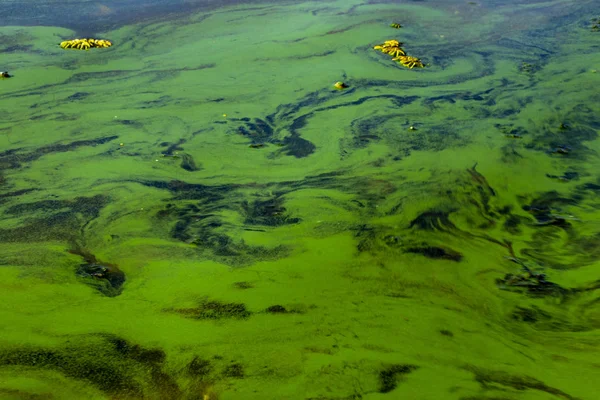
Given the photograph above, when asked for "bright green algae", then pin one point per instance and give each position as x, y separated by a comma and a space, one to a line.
284, 240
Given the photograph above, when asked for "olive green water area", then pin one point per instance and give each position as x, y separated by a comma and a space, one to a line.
196, 213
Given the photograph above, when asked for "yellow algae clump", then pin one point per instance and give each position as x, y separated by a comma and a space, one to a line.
409, 61
392, 48
85, 44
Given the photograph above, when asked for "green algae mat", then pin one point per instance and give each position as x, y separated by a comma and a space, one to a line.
196, 212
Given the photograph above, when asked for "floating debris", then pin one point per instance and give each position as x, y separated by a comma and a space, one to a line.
409, 61
277, 309
513, 135
545, 216
528, 68
85, 44
213, 310
560, 150
566, 177
392, 48
396, 26
107, 278
529, 282
512, 132
340, 85
5, 74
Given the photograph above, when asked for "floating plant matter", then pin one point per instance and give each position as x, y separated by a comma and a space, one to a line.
107, 278
388, 44
85, 44
392, 48
409, 61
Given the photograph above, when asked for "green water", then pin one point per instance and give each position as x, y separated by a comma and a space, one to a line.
280, 239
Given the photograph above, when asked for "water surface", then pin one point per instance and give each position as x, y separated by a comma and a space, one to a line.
197, 213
